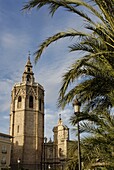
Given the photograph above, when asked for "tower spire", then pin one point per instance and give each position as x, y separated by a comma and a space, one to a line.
29, 62
29, 54
59, 116
28, 75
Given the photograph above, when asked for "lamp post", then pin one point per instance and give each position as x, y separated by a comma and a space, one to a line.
76, 105
18, 161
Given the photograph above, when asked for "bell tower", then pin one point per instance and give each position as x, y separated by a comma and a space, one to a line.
61, 139
27, 121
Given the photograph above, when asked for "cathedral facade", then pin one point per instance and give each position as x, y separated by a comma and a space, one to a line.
56, 152
30, 150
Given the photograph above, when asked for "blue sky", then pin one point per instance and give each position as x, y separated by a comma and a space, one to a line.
21, 32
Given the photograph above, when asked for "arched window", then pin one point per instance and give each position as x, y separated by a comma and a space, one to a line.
31, 102
19, 102
28, 77
28, 69
60, 152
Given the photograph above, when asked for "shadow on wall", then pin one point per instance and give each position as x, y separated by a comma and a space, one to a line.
24, 158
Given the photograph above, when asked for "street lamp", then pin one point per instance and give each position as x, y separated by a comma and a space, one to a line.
18, 161
49, 167
76, 105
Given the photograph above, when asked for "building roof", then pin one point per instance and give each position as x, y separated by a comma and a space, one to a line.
60, 123
5, 135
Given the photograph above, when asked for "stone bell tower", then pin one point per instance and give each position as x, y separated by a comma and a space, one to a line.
27, 121
61, 139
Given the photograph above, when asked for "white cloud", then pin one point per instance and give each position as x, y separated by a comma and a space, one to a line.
6, 117
24, 34
13, 41
9, 40
5, 92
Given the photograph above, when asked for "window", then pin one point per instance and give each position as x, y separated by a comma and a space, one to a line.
3, 160
4, 149
18, 129
19, 102
31, 102
40, 104
28, 78
60, 152
28, 69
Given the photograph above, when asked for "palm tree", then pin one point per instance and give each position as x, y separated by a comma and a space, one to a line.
97, 148
95, 72
72, 163
96, 67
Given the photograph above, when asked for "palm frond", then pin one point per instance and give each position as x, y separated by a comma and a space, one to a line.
48, 41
